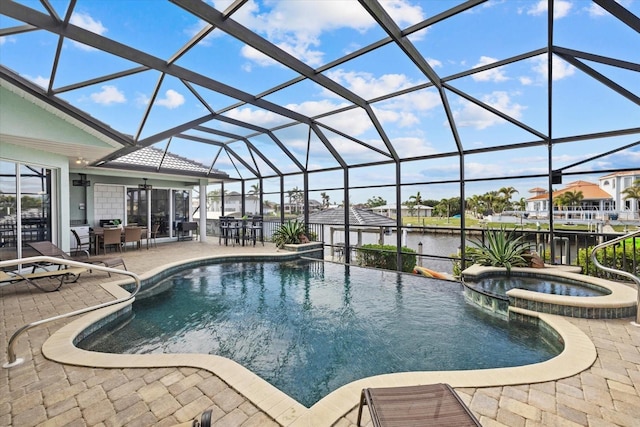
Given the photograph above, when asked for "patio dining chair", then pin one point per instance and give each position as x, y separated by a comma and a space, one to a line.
132, 235
154, 235
80, 245
112, 237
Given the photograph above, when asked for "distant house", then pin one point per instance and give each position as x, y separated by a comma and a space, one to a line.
391, 211
233, 205
600, 201
615, 184
298, 208
596, 202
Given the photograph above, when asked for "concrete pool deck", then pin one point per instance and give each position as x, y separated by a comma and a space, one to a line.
48, 393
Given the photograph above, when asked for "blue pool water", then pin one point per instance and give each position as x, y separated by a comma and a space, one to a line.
309, 327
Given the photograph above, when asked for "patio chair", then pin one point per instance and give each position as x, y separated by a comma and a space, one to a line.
80, 245
47, 248
112, 237
416, 406
132, 235
61, 276
154, 235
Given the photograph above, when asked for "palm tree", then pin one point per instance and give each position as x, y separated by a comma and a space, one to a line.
325, 200
255, 189
507, 192
294, 196
573, 198
491, 198
473, 203
417, 201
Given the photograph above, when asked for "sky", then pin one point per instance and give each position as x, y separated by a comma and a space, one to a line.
319, 32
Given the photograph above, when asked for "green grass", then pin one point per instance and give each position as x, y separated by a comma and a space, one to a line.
473, 222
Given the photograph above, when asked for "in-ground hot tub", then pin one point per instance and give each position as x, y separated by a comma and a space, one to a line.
549, 290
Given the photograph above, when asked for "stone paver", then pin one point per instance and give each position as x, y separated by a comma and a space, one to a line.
44, 393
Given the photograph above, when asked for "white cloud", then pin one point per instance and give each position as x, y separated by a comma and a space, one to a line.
561, 68
595, 10
561, 8
255, 56
367, 85
471, 115
7, 39
40, 81
171, 100
288, 25
85, 21
403, 13
492, 75
434, 63
108, 95
314, 108
402, 118
355, 122
525, 81
262, 118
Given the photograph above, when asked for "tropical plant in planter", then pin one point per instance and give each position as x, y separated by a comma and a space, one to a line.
501, 248
290, 232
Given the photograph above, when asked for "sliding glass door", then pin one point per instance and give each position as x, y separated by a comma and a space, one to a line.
26, 215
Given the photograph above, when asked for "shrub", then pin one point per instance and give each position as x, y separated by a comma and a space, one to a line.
289, 233
385, 256
619, 257
501, 248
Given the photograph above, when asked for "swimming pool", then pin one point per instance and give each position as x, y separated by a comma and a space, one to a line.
309, 327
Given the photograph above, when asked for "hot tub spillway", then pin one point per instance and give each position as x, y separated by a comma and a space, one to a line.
490, 302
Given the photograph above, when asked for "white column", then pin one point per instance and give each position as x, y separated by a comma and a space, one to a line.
203, 211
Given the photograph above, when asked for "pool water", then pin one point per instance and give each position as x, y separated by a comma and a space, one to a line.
500, 285
309, 327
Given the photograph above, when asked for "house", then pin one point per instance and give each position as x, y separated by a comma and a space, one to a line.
615, 184
392, 212
48, 185
595, 202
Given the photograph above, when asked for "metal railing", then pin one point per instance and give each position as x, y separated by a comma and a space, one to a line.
633, 277
12, 360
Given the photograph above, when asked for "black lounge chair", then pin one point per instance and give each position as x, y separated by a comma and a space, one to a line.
416, 406
47, 248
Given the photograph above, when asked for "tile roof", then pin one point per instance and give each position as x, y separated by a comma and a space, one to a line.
590, 191
357, 217
150, 157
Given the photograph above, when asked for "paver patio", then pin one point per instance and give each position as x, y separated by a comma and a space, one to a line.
42, 392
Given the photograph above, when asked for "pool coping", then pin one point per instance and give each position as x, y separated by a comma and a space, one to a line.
579, 354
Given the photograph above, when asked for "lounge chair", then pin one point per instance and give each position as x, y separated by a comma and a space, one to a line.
47, 248
62, 276
416, 406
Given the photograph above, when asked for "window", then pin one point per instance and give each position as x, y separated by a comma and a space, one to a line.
137, 206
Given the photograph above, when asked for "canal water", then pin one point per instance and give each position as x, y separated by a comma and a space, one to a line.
434, 245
